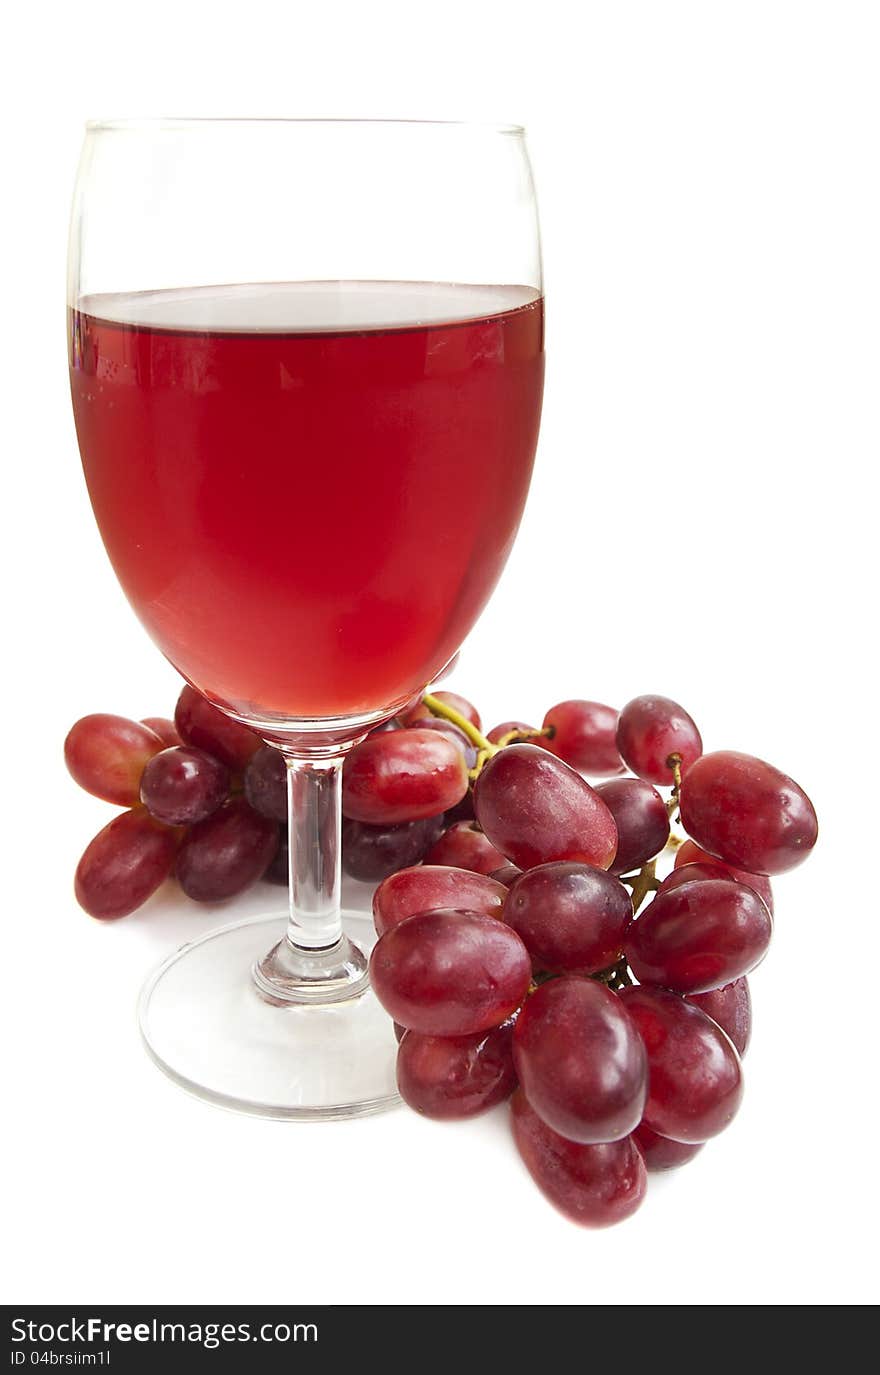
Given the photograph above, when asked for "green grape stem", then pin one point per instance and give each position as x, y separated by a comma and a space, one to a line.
448, 713
485, 748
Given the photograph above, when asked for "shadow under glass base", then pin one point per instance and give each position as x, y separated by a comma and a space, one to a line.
208, 1028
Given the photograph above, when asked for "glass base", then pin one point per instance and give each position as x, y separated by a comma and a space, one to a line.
206, 1025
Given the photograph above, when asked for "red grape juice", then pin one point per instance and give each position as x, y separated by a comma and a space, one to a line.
308, 490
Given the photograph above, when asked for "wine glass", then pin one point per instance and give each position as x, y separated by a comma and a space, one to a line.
306, 368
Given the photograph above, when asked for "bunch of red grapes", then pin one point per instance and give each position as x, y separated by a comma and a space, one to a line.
520, 960
204, 801
518, 953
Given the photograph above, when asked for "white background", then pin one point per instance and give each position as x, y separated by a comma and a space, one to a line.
702, 524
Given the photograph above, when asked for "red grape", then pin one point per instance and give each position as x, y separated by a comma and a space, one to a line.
747, 813
498, 732
461, 705
106, 755
279, 866
506, 874
699, 936
584, 735
659, 1153
164, 728
181, 785
641, 818
650, 731
694, 1073
688, 873
124, 865
449, 1077
226, 853
593, 1185
418, 711
403, 775
731, 1008
580, 1061
572, 918
534, 809
690, 853
450, 973
453, 733
429, 887
464, 846
265, 783
207, 728
371, 853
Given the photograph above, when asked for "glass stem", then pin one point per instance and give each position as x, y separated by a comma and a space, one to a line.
316, 962
314, 828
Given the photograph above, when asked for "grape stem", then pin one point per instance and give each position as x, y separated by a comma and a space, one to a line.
620, 976
485, 748
448, 713
514, 737
642, 883
674, 763
617, 977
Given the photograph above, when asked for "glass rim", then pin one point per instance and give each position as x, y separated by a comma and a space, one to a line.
169, 123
